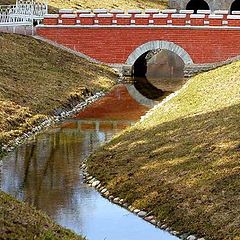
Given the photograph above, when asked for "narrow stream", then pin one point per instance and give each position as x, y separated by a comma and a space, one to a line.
45, 172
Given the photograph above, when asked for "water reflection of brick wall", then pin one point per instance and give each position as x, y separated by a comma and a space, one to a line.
118, 104
46, 172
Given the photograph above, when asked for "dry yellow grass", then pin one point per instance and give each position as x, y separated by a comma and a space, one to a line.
183, 161
37, 78
109, 4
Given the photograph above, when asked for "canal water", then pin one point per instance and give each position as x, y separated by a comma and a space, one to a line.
45, 172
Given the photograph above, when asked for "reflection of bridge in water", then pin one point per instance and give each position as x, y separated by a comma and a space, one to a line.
95, 125
49, 166
46, 172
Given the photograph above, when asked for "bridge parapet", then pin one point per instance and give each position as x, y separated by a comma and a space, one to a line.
149, 17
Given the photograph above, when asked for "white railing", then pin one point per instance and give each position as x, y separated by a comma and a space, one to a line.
10, 17
24, 13
34, 8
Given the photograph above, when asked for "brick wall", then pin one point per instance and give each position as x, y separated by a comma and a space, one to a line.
114, 45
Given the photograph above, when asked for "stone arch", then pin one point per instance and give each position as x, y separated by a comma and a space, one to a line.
197, 5
155, 45
235, 6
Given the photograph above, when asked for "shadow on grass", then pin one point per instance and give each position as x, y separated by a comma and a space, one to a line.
187, 171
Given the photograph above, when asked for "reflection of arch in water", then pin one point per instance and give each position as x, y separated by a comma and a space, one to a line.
138, 97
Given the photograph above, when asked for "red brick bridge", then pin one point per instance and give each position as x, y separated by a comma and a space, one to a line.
122, 37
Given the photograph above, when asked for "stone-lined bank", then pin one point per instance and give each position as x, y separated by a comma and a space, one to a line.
47, 78
145, 215
50, 121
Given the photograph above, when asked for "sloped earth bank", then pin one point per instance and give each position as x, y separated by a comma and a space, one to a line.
19, 221
39, 80
181, 162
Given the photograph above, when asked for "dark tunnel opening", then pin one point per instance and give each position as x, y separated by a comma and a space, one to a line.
197, 5
235, 6
157, 73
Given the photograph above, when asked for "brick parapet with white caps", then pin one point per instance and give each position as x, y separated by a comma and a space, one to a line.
148, 17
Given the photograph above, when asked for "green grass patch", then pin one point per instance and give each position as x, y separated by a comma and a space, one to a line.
183, 161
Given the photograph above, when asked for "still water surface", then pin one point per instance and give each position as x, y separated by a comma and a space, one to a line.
45, 172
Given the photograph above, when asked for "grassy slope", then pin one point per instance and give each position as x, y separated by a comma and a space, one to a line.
19, 221
37, 78
84, 4
183, 161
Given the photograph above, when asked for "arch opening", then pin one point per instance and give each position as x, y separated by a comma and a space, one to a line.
197, 5
140, 58
235, 6
161, 69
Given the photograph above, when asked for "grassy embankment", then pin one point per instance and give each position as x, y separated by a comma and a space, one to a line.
35, 79
109, 4
183, 161
19, 221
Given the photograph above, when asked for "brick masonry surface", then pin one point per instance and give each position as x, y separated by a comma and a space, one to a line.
114, 45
